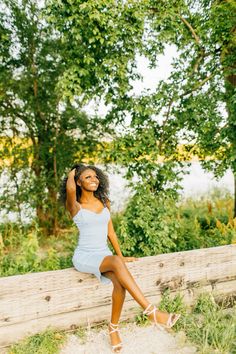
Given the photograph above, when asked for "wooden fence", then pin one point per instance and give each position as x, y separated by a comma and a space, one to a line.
65, 299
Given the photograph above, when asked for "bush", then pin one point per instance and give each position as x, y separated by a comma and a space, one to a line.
24, 249
149, 224
153, 224
206, 223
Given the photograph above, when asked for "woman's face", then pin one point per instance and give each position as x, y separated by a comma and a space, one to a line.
88, 180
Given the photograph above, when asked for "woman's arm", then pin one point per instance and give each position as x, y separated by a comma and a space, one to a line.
71, 202
113, 238
114, 241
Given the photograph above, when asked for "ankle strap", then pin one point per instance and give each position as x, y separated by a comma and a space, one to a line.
147, 311
114, 327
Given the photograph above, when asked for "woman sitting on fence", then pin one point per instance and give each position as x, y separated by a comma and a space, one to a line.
85, 193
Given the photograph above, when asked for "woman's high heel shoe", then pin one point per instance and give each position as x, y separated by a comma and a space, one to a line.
171, 321
117, 347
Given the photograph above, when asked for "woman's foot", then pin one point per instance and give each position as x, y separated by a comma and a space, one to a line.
116, 343
161, 318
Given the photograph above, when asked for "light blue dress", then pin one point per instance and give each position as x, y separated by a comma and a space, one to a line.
92, 245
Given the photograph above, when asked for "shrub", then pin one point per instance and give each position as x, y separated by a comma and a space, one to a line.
153, 224
24, 250
148, 226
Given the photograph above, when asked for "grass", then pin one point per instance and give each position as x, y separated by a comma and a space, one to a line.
48, 342
209, 325
81, 333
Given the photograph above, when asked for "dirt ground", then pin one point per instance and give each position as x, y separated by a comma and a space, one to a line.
136, 340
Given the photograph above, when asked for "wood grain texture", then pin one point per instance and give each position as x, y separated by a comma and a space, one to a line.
64, 299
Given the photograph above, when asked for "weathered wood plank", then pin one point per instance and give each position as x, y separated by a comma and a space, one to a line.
73, 319
31, 302
86, 295
47, 281
161, 264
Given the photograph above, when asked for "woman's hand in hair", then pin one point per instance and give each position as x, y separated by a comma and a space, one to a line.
72, 173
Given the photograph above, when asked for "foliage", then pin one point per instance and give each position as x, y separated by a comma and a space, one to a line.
139, 152
24, 250
47, 342
162, 226
197, 101
55, 59
41, 133
206, 223
153, 224
100, 39
148, 225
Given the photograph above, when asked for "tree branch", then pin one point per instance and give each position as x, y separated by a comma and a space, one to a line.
187, 24
197, 40
165, 121
168, 111
199, 85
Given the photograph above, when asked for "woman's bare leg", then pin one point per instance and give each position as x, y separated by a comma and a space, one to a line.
116, 265
118, 297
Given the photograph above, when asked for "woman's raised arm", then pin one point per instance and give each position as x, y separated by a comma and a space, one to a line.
71, 203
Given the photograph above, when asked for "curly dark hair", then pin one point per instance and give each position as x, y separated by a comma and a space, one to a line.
101, 193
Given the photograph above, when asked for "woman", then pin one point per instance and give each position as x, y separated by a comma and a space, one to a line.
86, 198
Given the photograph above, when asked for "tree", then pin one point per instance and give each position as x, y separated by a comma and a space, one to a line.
189, 104
41, 134
102, 40
200, 93
75, 50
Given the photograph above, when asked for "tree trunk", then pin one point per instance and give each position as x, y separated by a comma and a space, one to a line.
42, 213
53, 217
45, 163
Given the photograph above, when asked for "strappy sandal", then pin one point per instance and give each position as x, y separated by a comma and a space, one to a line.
117, 347
171, 321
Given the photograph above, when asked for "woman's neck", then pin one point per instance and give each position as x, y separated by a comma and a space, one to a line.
87, 197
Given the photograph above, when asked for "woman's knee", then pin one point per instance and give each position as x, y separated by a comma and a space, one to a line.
112, 263
117, 263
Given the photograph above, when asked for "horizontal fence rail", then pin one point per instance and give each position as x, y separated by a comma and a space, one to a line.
65, 299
